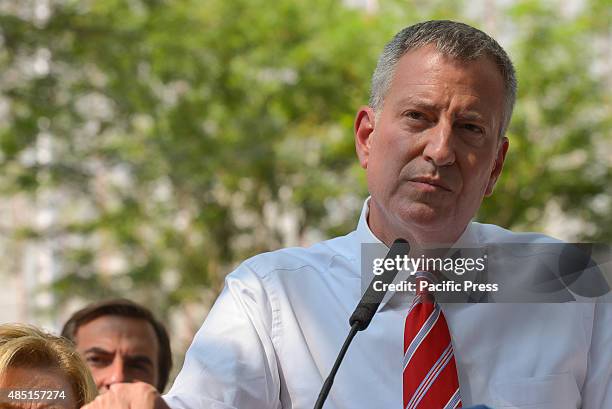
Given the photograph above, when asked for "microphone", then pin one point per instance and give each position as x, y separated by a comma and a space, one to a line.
364, 312
367, 307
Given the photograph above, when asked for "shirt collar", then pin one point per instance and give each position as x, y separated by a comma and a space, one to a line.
364, 234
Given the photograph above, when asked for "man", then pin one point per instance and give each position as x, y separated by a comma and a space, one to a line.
433, 146
121, 342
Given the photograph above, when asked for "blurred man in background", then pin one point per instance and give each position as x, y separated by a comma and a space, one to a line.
121, 342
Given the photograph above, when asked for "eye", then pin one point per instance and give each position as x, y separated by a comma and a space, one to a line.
416, 115
141, 366
473, 128
96, 361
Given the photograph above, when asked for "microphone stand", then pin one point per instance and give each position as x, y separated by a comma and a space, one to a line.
330, 379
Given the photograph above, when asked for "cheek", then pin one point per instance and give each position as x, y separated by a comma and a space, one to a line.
391, 155
475, 173
382, 174
98, 374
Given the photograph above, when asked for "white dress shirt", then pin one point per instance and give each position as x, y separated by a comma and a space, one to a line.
273, 334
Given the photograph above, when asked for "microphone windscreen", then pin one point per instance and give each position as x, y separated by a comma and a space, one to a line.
363, 314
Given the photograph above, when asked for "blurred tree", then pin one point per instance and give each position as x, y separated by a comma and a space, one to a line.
174, 139
559, 165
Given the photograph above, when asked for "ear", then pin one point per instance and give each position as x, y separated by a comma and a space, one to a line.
364, 131
502, 149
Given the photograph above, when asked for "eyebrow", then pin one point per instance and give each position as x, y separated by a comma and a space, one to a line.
98, 350
139, 359
468, 115
420, 102
129, 358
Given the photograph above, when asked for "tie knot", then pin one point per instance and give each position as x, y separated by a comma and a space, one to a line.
423, 281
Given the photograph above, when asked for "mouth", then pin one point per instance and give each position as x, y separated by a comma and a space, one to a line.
431, 184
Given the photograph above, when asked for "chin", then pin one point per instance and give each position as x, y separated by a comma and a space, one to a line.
424, 217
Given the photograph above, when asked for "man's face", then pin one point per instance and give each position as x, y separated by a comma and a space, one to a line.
433, 152
119, 349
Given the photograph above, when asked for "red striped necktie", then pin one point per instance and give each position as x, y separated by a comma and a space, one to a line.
430, 372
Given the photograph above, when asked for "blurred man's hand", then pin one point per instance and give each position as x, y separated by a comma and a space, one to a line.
138, 395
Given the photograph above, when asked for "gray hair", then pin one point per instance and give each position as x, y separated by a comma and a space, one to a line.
453, 39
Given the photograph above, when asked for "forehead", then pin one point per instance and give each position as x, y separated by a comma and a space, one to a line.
425, 72
37, 379
111, 332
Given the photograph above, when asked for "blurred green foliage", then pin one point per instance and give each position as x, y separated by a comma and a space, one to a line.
172, 139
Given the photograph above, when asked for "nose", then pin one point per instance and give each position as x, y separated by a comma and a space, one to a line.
439, 149
115, 373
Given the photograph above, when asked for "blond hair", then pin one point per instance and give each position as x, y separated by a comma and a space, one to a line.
29, 347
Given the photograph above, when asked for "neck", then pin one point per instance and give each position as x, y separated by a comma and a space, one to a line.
388, 229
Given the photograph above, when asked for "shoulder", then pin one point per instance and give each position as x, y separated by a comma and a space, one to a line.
313, 258
491, 233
